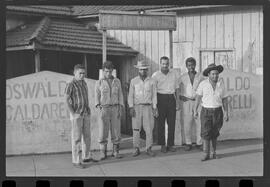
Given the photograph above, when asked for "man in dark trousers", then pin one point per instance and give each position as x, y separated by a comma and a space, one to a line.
212, 95
167, 103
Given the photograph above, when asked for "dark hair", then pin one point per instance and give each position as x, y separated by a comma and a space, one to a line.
78, 66
164, 58
107, 65
190, 59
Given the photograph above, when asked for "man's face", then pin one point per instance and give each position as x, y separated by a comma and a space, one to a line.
213, 75
191, 66
79, 74
143, 72
107, 73
164, 65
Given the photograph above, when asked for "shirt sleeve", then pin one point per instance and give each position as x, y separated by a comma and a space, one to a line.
97, 93
131, 94
199, 90
121, 97
68, 89
154, 97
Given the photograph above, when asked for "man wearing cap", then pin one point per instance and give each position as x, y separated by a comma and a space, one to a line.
167, 103
76, 93
109, 100
211, 92
188, 84
142, 101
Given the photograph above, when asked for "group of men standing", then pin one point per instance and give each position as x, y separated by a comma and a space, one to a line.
149, 99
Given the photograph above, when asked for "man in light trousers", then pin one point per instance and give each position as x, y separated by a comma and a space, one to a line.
109, 100
142, 101
76, 93
188, 84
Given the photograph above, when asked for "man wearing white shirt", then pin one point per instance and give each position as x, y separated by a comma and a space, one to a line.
211, 92
167, 103
188, 84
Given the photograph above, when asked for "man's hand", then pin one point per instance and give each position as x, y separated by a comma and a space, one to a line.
74, 115
183, 98
120, 109
155, 112
226, 116
177, 105
132, 112
196, 114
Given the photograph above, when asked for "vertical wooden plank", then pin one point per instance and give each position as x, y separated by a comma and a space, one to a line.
161, 43
207, 58
219, 30
155, 51
189, 28
176, 33
136, 40
203, 31
129, 38
37, 61
167, 43
182, 28
211, 30
104, 46
171, 48
118, 35
196, 39
142, 43
247, 45
176, 55
237, 33
85, 64
261, 38
228, 30
148, 49
124, 37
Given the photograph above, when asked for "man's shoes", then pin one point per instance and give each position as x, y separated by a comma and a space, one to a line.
90, 160
115, 152
163, 149
171, 149
117, 155
199, 147
214, 156
103, 155
79, 165
136, 152
206, 157
188, 147
150, 152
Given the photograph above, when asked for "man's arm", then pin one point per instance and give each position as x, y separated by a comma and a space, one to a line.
121, 97
225, 107
97, 94
69, 106
197, 103
131, 99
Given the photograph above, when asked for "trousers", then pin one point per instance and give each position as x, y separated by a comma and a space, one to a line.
80, 138
189, 120
143, 118
166, 105
109, 121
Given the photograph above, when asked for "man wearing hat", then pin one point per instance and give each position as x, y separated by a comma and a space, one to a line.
142, 101
188, 84
211, 92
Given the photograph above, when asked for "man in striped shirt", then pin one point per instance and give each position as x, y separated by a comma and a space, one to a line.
77, 101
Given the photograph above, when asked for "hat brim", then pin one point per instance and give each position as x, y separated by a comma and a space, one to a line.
142, 67
219, 68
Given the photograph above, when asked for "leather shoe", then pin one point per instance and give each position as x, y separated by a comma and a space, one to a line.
90, 160
206, 157
150, 152
188, 147
171, 149
136, 152
214, 156
79, 165
163, 149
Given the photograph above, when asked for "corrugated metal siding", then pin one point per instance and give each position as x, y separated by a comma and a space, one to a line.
240, 29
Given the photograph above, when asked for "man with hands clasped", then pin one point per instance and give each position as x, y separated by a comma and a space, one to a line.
142, 101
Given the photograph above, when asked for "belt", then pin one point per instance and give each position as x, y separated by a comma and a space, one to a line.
213, 109
109, 105
147, 104
165, 94
190, 99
